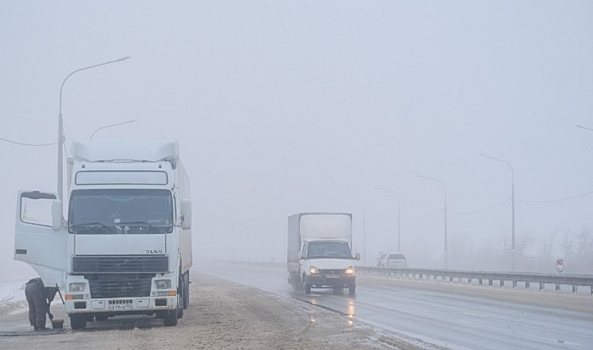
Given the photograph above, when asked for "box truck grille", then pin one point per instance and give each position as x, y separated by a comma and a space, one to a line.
120, 264
120, 286
332, 272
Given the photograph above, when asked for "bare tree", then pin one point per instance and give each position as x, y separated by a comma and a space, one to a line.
547, 251
569, 244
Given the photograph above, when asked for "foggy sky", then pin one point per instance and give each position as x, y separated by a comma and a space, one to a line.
284, 107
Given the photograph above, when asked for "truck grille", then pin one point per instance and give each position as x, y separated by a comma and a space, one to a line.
120, 286
120, 264
332, 272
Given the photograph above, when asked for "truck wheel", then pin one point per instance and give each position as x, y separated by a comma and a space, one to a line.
78, 321
170, 318
307, 288
352, 289
180, 298
296, 283
186, 290
180, 311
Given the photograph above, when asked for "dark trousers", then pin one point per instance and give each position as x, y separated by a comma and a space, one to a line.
38, 306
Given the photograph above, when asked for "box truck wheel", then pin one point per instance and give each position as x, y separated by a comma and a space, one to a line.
352, 289
170, 318
78, 321
186, 290
296, 283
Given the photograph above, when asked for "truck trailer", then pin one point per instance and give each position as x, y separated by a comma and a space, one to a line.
319, 252
125, 246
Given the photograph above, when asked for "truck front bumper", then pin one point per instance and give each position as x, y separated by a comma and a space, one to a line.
323, 281
121, 305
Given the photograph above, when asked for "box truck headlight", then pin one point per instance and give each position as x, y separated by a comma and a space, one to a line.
350, 271
313, 270
76, 287
163, 284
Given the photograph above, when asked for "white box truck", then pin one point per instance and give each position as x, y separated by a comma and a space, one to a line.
319, 251
125, 247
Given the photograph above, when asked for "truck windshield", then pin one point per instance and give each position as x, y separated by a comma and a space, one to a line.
120, 211
332, 250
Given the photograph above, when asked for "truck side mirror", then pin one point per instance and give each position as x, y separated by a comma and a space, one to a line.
357, 256
186, 214
56, 214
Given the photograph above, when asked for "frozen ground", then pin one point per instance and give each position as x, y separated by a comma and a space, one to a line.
221, 315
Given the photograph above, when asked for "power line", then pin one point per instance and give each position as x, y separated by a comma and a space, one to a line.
28, 144
557, 200
481, 210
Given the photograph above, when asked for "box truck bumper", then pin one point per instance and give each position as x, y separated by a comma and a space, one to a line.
322, 281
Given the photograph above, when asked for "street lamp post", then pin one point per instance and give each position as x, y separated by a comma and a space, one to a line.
446, 254
513, 252
398, 217
110, 126
364, 230
61, 126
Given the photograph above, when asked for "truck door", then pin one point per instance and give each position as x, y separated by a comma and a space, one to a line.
35, 241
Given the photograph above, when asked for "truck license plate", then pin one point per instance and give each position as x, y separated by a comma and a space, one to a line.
332, 276
120, 307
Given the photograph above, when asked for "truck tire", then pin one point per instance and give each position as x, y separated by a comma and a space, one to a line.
180, 311
296, 283
170, 318
180, 298
186, 290
78, 321
101, 317
307, 288
352, 289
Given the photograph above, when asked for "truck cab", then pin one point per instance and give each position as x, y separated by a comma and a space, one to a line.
327, 263
125, 247
319, 251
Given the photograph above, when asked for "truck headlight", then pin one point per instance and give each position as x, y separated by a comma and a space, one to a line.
313, 270
76, 287
163, 284
350, 271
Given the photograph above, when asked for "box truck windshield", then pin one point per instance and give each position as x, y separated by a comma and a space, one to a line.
120, 211
328, 250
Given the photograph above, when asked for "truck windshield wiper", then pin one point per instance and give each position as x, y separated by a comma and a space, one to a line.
93, 224
150, 227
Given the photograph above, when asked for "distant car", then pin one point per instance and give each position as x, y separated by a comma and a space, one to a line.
392, 260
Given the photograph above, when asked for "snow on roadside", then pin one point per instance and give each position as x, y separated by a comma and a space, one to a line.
12, 295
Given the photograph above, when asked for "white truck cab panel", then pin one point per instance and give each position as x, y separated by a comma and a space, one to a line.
36, 241
126, 247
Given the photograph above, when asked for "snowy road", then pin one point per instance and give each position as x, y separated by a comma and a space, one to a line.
221, 315
455, 316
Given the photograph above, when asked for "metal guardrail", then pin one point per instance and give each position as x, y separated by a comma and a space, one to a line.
481, 276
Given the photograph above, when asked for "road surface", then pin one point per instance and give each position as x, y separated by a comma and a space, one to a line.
449, 315
222, 315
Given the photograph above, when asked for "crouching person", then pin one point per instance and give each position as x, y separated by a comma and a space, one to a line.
39, 298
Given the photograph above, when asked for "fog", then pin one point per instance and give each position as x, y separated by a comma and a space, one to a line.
282, 108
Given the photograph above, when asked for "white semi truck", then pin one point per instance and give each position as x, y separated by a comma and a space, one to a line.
125, 247
319, 252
